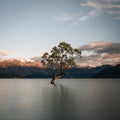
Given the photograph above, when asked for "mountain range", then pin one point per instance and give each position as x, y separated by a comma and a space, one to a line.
28, 69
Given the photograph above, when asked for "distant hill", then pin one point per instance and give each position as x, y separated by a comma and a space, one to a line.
17, 69
21, 71
110, 72
86, 72
74, 72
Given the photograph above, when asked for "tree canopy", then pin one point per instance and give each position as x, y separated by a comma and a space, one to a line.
60, 58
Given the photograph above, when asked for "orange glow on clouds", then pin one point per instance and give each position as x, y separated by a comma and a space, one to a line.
100, 53
4, 53
93, 54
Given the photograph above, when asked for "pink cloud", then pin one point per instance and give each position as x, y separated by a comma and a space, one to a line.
103, 53
4, 53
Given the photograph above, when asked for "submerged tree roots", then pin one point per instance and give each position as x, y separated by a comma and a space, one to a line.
54, 78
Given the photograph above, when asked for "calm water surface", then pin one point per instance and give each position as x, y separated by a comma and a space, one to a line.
70, 99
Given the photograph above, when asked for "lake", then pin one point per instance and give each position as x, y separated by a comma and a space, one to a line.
70, 99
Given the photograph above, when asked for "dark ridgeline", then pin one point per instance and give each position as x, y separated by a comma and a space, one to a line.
110, 72
105, 71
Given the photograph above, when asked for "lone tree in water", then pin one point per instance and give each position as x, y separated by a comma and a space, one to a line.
60, 59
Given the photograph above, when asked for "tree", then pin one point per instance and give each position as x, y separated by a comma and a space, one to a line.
60, 59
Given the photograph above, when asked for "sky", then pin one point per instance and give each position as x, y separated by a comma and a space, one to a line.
28, 28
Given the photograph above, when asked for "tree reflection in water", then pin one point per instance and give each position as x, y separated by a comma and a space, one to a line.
60, 103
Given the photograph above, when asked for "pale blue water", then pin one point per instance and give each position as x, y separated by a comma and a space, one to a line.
70, 99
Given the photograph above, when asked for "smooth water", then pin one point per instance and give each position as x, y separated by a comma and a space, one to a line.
70, 99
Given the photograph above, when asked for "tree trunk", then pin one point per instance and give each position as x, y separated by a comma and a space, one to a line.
54, 78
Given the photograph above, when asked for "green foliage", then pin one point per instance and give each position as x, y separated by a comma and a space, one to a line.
61, 57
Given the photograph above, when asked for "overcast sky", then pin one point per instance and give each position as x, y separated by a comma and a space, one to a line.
29, 28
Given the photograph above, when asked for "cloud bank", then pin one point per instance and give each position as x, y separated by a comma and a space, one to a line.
102, 47
100, 53
93, 54
96, 54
